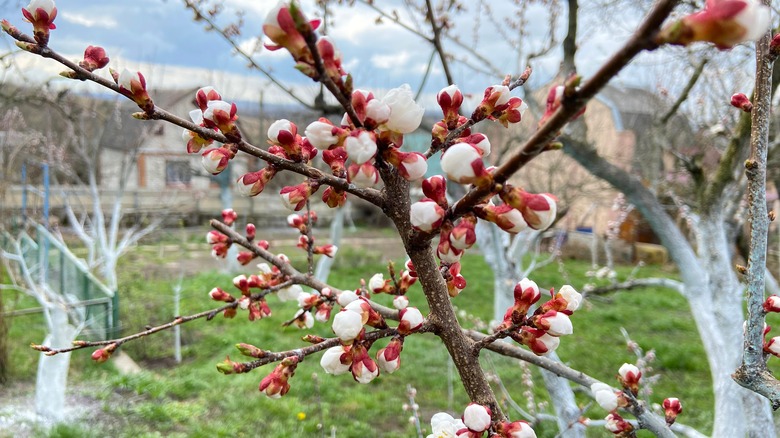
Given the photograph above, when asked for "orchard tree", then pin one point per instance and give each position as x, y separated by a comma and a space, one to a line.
366, 146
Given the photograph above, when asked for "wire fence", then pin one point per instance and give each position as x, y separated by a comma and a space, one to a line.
51, 262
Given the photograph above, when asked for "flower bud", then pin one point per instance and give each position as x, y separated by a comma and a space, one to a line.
477, 418
450, 99
411, 320
363, 175
347, 325
94, 58
283, 27
426, 215
229, 216
742, 102
360, 147
515, 429
336, 360
463, 164
389, 358
400, 302
672, 408
772, 304
294, 197
218, 294
724, 23
405, 114
555, 323
322, 134
435, 188
571, 296
364, 369
617, 425
214, 161
629, 376
41, 13
221, 115
133, 85
605, 396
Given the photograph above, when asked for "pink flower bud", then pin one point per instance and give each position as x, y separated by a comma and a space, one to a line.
214, 161
773, 346
463, 164
347, 325
276, 384
94, 58
672, 408
194, 141
284, 133
515, 429
413, 166
526, 293
477, 418
214, 237
133, 85
204, 95
495, 96
41, 13
571, 296
411, 320
605, 396
364, 369
479, 141
450, 99
742, 102
538, 210
322, 134
389, 358
724, 23
326, 250
426, 215
506, 217
435, 188
772, 304
229, 216
281, 28
555, 323
378, 284
512, 111
336, 360
252, 184
294, 197
539, 341
331, 58
360, 146
221, 115
334, 198
363, 175
617, 425
218, 294
405, 114
250, 231
629, 376
446, 252
323, 312
463, 235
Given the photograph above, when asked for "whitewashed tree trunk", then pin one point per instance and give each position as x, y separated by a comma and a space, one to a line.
52, 378
494, 244
712, 290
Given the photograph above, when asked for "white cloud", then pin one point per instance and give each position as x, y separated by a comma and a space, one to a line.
391, 61
83, 20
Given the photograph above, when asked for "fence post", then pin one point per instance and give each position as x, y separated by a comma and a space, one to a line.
115, 315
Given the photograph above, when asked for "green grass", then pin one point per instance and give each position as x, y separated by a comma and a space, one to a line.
193, 399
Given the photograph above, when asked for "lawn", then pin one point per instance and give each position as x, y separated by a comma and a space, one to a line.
193, 399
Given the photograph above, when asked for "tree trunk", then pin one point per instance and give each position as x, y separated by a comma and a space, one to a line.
712, 289
52, 379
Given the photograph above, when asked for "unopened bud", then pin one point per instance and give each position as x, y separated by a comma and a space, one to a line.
742, 102
249, 350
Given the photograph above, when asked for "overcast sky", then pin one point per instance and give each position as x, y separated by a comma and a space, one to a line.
159, 38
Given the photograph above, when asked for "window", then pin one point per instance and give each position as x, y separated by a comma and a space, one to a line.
178, 173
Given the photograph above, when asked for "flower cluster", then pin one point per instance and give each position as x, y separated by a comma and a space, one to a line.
475, 421
397, 288
303, 224
610, 400
541, 331
519, 211
352, 353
